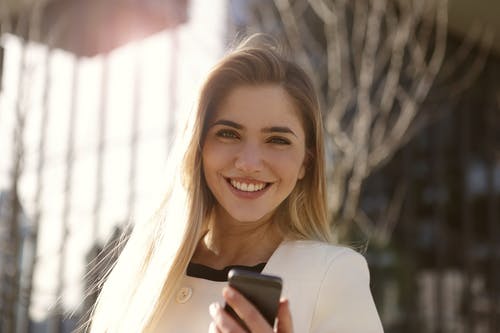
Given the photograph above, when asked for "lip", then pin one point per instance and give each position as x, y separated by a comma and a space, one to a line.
244, 194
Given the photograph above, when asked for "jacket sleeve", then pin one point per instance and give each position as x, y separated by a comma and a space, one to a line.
344, 302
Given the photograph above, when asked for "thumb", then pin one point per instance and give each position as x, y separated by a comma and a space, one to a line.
284, 317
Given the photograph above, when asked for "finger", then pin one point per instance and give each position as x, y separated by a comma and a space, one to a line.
284, 317
222, 321
250, 315
213, 328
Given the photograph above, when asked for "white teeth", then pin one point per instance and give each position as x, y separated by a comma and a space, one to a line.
248, 187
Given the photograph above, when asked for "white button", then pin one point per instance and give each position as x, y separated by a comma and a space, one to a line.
184, 294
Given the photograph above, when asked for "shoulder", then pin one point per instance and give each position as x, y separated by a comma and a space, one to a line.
342, 294
333, 264
318, 263
321, 253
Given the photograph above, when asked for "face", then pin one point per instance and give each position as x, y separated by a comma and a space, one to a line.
254, 152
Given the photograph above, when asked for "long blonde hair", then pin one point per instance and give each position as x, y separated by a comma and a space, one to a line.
155, 258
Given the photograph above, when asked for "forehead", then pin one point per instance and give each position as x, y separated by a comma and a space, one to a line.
262, 105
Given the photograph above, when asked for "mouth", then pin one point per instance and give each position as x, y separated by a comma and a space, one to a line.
248, 186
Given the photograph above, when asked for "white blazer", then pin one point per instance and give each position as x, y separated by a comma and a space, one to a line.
327, 287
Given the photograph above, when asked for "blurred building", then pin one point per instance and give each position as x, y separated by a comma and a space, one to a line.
16, 255
93, 93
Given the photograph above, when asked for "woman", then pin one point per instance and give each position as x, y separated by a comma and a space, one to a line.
254, 182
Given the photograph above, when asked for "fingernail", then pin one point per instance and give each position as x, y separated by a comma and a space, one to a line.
213, 308
229, 292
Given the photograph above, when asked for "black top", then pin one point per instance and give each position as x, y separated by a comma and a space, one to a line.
219, 275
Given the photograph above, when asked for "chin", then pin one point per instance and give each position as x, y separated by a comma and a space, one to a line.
248, 219
246, 213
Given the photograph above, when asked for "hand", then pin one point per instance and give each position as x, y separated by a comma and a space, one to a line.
224, 323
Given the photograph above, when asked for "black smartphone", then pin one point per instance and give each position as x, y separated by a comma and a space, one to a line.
263, 291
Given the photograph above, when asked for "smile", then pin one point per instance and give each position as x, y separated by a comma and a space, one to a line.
247, 186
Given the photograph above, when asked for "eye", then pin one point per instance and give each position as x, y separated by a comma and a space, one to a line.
227, 134
279, 140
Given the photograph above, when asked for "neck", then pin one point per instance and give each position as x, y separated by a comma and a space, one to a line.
229, 242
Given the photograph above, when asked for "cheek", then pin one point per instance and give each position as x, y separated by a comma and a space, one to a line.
213, 157
208, 167
288, 165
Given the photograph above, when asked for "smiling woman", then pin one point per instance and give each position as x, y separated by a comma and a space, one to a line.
254, 152
255, 198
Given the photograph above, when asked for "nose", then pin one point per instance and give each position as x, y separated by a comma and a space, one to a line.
249, 158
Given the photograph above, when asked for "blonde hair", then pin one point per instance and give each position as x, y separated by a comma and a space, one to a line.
155, 258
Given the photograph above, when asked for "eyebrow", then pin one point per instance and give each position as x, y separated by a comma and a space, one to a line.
278, 129
272, 129
227, 123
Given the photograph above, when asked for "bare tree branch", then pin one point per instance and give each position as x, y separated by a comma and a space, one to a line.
382, 59
293, 34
